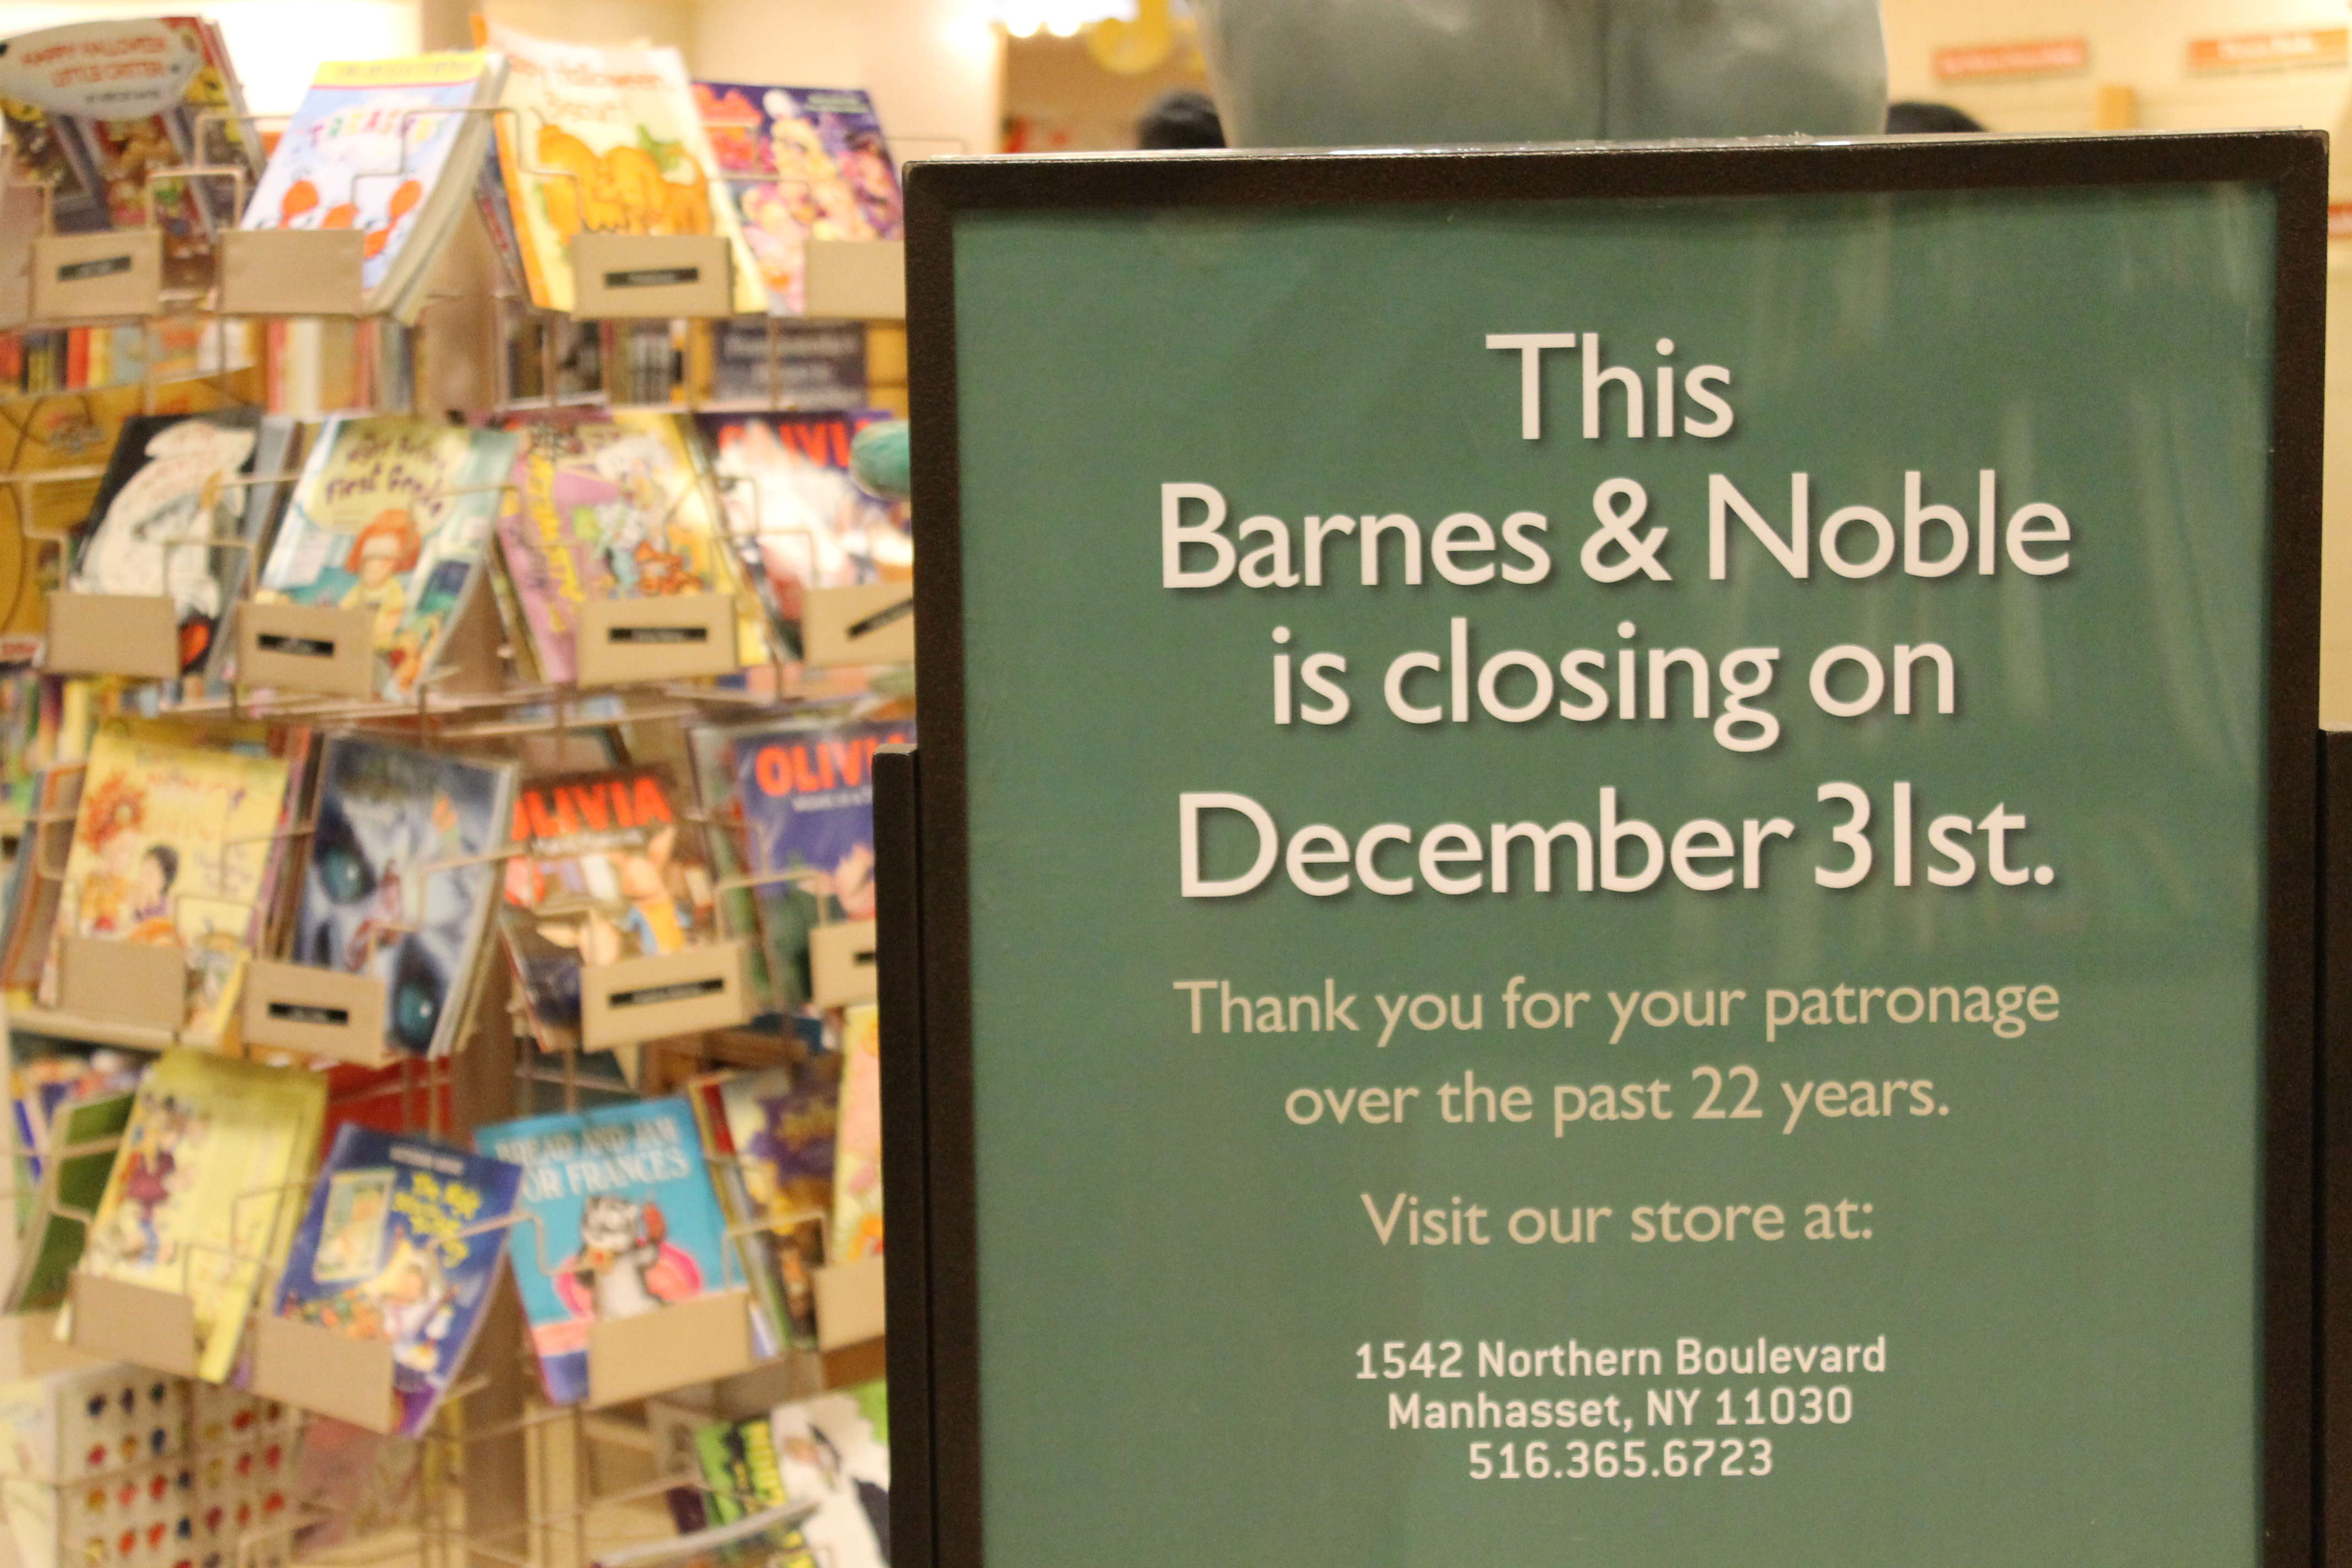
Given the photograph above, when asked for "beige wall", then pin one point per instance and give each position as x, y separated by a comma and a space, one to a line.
932, 65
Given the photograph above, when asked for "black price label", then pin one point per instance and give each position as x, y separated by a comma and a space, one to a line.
98, 267
653, 277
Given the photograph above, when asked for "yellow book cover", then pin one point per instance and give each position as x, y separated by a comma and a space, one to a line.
202, 1200
170, 844
605, 140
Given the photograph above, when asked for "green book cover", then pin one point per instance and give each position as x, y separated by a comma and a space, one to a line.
53, 1240
720, 1449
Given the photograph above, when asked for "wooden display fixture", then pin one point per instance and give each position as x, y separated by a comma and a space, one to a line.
317, 1012
113, 634
856, 279
871, 623
677, 636
617, 276
849, 1303
79, 276
692, 1341
307, 648
663, 994
122, 1322
319, 1370
291, 272
139, 983
841, 964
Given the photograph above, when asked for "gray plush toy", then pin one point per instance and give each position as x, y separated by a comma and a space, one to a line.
1353, 73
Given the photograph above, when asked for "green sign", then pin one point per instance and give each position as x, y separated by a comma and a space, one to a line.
1616, 855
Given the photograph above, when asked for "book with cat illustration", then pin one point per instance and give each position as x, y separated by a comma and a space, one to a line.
396, 885
806, 794
610, 871
172, 846
401, 1242
196, 1202
629, 1225
166, 495
391, 516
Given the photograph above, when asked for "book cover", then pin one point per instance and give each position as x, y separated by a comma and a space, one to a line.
610, 144
609, 508
195, 1203
391, 515
858, 1153
782, 1126
354, 1484
165, 498
397, 884
834, 1450
401, 1242
800, 163
806, 793
798, 517
82, 1134
170, 846
628, 1221
708, 749
374, 147
609, 871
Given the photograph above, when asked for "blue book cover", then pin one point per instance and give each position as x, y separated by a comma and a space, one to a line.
806, 795
401, 1242
627, 1222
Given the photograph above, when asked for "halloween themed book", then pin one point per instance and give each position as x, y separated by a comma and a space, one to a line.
195, 1203
401, 1242
629, 1225
391, 516
398, 883
609, 871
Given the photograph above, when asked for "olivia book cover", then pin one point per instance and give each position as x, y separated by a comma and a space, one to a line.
172, 845
609, 870
800, 163
611, 508
401, 1242
196, 1204
806, 795
402, 879
391, 516
603, 139
628, 1223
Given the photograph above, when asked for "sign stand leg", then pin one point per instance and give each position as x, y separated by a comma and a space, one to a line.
898, 852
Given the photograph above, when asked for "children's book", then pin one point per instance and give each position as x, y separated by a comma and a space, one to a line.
194, 1204
833, 1450
609, 508
33, 884
391, 516
858, 1153
800, 163
707, 748
604, 140
81, 1134
401, 1242
806, 792
399, 884
170, 490
112, 101
610, 871
170, 846
629, 1225
377, 146
780, 1126
798, 517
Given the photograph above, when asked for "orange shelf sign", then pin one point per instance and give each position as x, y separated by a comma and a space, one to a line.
2283, 47
2040, 56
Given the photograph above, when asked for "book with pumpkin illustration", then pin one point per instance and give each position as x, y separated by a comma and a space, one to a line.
610, 871
401, 1242
627, 1219
384, 148
391, 515
604, 140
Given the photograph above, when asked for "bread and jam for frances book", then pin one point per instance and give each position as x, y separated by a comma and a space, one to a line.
401, 1242
374, 147
609, 871
391, 516
806, 793
629, 1225
396, 885
196, 1204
